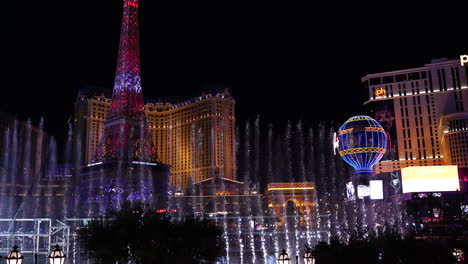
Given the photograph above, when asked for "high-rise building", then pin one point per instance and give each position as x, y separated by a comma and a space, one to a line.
421, 108
196, 137
91, 108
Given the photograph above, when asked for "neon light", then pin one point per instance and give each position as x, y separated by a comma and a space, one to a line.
289, 188
94, 164
144, 163
380, 92
134, 4
463, 59
375, 129
359, 118
346, 131
160, 211
362, 150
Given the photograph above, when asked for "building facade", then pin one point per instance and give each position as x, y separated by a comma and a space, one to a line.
91, 110
454, 128
410, 104
196, 137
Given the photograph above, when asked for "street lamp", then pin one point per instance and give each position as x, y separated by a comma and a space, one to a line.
57, 256
14, 256
308, 256
284, 258
458, 254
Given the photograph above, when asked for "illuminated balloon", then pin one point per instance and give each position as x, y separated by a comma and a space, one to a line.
362, 143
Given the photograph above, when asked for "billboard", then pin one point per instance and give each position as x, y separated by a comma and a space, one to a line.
383, 112
395, 182
363, 191
376, 189
350, 191
430, 179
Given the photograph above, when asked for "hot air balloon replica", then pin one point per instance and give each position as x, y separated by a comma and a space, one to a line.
362, 142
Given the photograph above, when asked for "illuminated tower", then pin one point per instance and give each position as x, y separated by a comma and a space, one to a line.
126, 167
126, 133
417, 107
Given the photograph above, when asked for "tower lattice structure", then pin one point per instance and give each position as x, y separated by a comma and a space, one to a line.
126, 132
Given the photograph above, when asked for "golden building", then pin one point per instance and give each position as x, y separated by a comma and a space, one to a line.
196, 137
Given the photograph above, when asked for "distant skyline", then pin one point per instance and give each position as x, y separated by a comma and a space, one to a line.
282, 61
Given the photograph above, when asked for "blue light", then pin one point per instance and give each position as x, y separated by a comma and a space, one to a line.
362, 143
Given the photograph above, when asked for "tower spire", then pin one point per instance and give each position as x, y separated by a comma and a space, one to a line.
127, 95
126, 133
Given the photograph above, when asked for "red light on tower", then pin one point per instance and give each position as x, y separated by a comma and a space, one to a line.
133, 3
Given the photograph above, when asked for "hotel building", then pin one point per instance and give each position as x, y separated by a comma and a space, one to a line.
196, 137
423, 110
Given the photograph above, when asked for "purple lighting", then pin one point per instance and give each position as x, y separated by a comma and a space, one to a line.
126, 134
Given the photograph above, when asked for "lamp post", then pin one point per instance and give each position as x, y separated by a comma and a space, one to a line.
458, 254
57, 256
14, 256
309, 258
284, 258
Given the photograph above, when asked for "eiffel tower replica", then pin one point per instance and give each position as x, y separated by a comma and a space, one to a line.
126, 166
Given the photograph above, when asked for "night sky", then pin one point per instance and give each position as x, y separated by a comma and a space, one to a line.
282, 60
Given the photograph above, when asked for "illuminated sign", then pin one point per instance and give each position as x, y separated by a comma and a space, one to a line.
463, 59
430, 179
395, 181
290, 188
350, 191
464, 209
363, 191
376, 189
436, 212
161, 211
422, 195
380, 92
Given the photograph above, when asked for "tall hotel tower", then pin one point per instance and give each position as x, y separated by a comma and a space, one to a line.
423, 110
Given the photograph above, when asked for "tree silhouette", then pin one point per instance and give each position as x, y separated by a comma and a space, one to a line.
386, 246
139, 235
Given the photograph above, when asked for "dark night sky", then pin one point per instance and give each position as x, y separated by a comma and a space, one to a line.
281, 60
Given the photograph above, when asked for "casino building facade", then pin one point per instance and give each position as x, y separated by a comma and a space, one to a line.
424, 111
